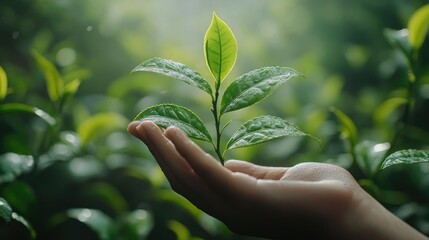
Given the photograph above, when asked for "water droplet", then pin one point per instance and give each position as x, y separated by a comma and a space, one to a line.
89, 28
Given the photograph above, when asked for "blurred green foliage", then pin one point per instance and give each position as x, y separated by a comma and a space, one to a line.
69, 170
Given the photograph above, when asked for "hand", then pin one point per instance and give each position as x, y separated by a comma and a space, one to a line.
306, 201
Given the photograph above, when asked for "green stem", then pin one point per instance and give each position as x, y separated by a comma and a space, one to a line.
217, 117
403, 122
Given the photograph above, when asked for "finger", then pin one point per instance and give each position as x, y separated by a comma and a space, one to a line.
180, 175
132, 128
231, 186
140, 131
137, 129
165, 152
256, 171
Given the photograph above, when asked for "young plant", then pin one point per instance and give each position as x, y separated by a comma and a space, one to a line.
368, 157
220, 50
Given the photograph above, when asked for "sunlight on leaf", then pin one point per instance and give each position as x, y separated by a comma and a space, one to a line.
410, 156
70, 90
136, 224
166, 115
5, 210
13, 165
98, 221
254, 86
100, 124
20, 196
182, 233
418, 27
175, 70
72, 87
220, 48
399, 40
3, 83
26, 224
54, 82
369, 155
7, 215
22, 108
262, 129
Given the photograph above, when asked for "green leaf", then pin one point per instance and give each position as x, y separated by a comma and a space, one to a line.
22, 108
262, 129
382, 113
399, 40
54, 82
410, 156
418, 26
70, 90
21, 197
72, 87
100, 124
348, 128
182, 233
136, 225
7, 214
5, 210
177, 200
13, 165
107, 194
26, 224
3, 83
175, 70
220, 48
98, 221
165, 115
369, 155
254, 86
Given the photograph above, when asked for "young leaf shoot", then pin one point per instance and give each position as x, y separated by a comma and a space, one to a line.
220, 51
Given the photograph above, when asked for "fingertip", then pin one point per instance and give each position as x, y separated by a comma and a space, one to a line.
140, 129
234, 165
148, 126
132, 127
133, 124
175, 134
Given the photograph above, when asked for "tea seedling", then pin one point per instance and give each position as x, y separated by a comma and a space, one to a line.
220, 50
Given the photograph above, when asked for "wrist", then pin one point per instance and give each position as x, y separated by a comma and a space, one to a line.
368, 219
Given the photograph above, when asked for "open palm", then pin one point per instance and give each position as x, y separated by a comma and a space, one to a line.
306, 201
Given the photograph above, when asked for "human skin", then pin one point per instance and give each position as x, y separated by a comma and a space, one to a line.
305, 201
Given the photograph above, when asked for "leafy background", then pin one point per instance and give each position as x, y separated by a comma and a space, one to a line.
70, 170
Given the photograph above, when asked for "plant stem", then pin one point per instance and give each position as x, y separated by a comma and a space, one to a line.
217, 117
403, 121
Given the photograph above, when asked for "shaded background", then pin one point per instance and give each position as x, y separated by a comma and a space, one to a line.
96, 181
